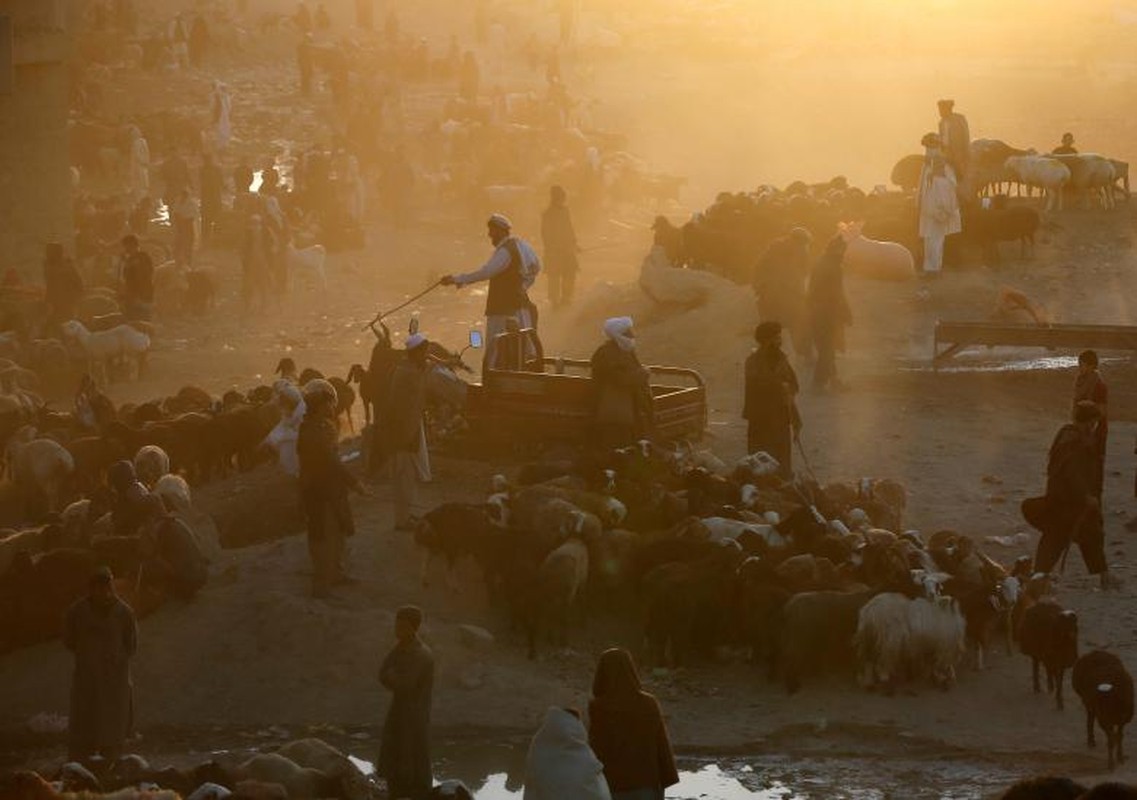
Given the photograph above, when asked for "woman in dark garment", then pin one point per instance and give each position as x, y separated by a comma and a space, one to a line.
627, 732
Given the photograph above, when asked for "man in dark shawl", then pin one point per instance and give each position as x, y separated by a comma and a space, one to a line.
561, 248
408, 673
101, 632
1070, 512
769, 407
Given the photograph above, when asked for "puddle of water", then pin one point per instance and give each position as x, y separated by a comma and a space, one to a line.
497, 773
1020, 365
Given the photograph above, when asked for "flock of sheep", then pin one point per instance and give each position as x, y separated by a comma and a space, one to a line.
691, 556
728, 236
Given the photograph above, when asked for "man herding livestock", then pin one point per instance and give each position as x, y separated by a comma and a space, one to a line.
769, 405
1070, 512
405, 436
510, 271
939, 214
102, 634
829, 313
955, 138
779, 283
559, 239
408, 673
621, 388
324, 485
1089, 386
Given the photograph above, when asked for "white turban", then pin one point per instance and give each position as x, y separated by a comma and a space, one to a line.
500, 221
617, 329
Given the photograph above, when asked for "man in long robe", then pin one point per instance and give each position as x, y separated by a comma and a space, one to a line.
408, 673
559, 239
102, 633
1070, 512
405, 437
770, 409
324, 486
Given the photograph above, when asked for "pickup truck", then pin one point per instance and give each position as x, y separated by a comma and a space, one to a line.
555, 405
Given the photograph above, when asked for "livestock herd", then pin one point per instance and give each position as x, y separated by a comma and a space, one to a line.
727, 237
691, 556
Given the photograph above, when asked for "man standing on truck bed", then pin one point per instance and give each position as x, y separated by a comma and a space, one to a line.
510, 271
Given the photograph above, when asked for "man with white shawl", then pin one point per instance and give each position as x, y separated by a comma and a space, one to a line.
511, 271
939, 214
560, 764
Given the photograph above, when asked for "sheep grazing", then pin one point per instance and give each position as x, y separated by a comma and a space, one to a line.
687, 603
1092, 175
308, 262
817, 628
345, 400
562, 576
1049, 635
987, 227
453, 530
898, 637
39, 466
102, 348
883, 260
150, 464
1041, 172
1106, 690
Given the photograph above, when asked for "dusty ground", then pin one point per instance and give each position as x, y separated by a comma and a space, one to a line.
253, 650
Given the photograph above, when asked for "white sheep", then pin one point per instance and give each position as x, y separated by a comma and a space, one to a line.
103, 347
897, 636
1041, 172
1092, 175
308, 261
937, 628
150, 464
42, 464
882, 640
175, 493
608, 509
723, 528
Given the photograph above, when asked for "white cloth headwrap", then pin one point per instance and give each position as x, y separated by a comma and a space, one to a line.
501, 221
617, 329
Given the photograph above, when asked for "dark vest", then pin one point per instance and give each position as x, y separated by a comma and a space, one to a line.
506, 294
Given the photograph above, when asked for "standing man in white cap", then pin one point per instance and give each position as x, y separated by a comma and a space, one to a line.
621, 387
405, 436
510, 271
